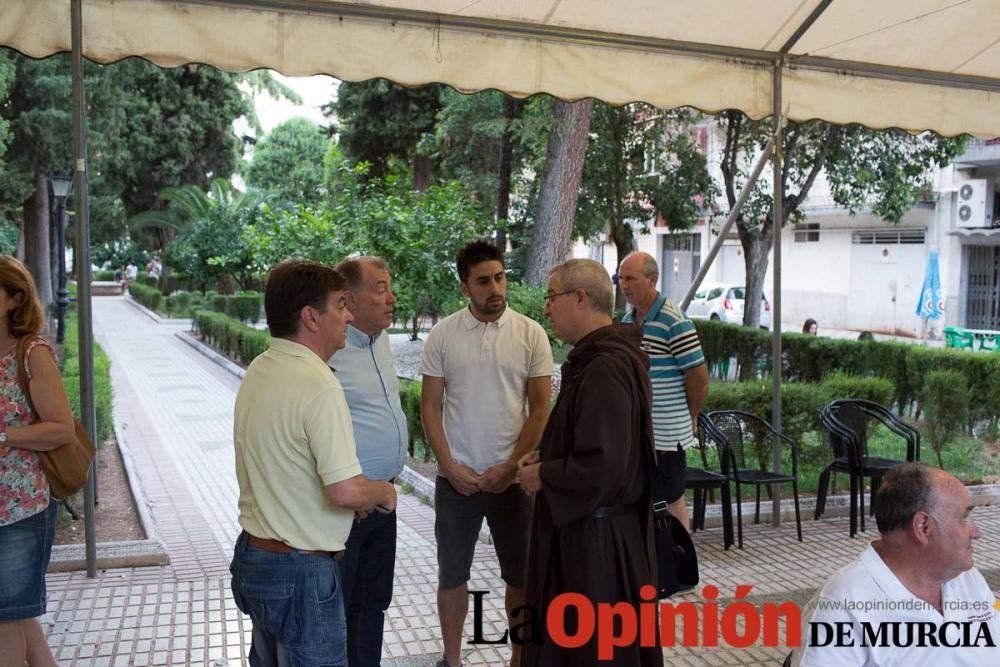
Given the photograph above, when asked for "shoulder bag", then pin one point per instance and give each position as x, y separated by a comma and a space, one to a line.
68, 466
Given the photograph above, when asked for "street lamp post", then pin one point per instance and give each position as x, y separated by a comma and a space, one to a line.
61, 186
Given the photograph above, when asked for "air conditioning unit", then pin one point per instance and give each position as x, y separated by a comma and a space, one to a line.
975, 203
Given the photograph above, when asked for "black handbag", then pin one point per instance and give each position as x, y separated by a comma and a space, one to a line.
676, 559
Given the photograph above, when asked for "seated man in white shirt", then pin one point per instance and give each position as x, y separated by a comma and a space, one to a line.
913, 597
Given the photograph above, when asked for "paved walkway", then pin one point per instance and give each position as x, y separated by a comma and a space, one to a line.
176, 407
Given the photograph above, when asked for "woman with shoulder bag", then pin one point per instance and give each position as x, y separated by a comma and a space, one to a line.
27, 509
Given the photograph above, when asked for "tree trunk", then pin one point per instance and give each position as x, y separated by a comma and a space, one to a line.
756, 246
624, 240
553, 228
423, 171
504, 170
36, 221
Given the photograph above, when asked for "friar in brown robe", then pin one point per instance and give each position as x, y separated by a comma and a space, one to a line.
592, 529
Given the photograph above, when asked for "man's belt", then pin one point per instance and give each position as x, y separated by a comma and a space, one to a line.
274, 546
613, 511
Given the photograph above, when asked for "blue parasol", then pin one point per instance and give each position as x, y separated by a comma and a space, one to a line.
930, 306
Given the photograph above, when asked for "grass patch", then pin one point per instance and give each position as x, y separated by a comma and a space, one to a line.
69, 366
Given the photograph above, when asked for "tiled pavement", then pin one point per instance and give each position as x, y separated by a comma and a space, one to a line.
175, 408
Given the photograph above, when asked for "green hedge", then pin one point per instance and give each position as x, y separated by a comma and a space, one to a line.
409, 397
800, 401
235, 339
813, 358
70, 371
981, 371
149, 297
243, 306
104, 275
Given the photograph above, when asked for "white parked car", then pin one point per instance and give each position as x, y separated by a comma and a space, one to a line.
725, 303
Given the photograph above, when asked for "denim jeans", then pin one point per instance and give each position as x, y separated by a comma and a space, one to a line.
367, 571
295, 602
25, 547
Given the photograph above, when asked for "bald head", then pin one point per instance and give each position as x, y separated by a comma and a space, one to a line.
642, 262
637, 277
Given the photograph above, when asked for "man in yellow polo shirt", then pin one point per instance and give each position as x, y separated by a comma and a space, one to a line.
300, 481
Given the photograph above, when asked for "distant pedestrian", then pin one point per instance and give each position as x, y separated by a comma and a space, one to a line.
809, 327
131, 273
153, 268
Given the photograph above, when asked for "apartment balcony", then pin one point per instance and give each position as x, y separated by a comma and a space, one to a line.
980, 153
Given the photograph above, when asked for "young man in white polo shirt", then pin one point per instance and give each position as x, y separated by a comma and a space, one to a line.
484, 402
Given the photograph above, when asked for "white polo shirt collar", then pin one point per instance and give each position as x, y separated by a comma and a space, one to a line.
470, 321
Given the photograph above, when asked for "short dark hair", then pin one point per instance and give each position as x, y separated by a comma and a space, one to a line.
475, 252
906, 489
293, 285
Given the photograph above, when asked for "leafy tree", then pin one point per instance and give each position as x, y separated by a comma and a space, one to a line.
882, 170
9, 232
149, 128
7, 71
418, 233
210, 225
165, 128
493, 144
382, 123
37, 111
641, 162
289, 162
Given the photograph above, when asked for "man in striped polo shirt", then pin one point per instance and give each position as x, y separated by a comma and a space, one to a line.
677, 371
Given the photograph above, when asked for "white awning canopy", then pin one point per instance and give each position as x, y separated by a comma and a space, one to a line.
912, 64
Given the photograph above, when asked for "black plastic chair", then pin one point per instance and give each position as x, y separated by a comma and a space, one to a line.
701, 480
750, 440
847, 422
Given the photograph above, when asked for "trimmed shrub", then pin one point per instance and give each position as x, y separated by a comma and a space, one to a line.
409, 397
246, 306
217, 302
980, 371
801, 402
104, 275
235, 339
945, 398
178, 304
144, 294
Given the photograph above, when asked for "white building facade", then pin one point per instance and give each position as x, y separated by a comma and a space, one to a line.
859, 272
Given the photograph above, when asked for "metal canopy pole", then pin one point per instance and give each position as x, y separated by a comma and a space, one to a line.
778, 210
88, 416
724, 230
